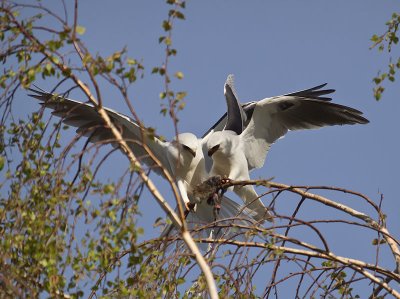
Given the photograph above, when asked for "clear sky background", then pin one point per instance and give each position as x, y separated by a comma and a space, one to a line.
272, 47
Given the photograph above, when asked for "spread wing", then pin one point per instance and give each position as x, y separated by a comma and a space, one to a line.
89, 123
248, 108
273, 117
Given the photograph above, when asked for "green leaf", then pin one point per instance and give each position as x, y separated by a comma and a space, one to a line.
179, 75
376, 241
1, 163
130, 281
167, 41
179, 15
131, 61
160, 39
80, 30
375, 38
109, 188
180, 95
166, 25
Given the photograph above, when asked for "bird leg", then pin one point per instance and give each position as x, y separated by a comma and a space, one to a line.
190, 206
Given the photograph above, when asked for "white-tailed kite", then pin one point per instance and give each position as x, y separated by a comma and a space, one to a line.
235, 153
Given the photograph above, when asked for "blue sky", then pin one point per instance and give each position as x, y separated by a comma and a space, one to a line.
272, 47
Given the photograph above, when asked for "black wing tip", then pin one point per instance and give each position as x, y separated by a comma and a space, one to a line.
39, 93
37, 89
315, 92
354, 113
319, 86
325, 99
36, 96
362, 120
355, 118
328, 91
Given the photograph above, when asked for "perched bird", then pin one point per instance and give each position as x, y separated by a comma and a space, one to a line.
236, 153
226, 150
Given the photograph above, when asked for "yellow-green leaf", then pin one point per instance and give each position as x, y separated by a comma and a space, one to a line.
179, 75
80, 30
1, 163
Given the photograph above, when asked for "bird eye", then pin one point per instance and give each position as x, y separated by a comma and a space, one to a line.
192, 152
212, 150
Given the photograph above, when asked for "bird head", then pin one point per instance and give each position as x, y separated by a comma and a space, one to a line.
187, 143
222, 143
183, 149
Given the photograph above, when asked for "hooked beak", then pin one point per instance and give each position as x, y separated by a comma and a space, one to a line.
212, 150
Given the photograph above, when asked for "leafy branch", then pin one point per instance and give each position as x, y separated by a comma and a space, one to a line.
386, 41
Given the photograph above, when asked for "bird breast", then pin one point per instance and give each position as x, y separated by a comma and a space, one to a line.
222, 164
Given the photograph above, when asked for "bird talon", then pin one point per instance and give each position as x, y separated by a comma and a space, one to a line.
225, 180
190, 206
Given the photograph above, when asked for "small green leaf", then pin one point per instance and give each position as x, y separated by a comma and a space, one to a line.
109, 188
375, 38
1, 163
160, 39
167, 25
140, 231
130, 281
179, 15
167, 41
80, 30
179, 75
376, 241
131, 61
180, 95
180, 280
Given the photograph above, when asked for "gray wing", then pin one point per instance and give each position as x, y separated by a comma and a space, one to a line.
90, 124
273, 117
235, 114
248, 108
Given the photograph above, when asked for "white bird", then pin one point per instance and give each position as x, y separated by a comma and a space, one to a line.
183, 157
227, 152
235, 154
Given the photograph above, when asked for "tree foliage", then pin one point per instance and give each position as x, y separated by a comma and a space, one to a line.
387, 41
67, 233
